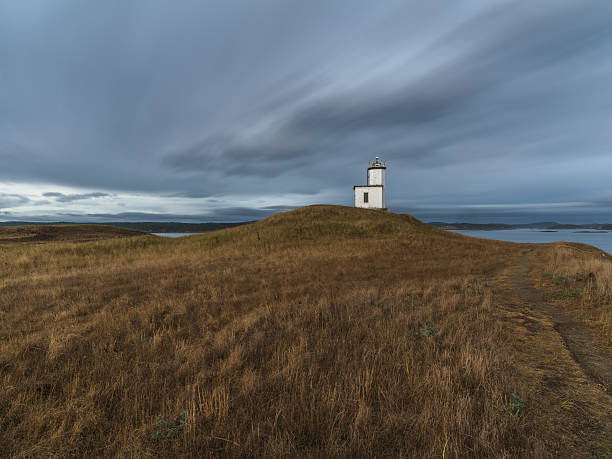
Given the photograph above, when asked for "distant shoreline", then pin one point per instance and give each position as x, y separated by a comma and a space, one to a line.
543, 226
181, 227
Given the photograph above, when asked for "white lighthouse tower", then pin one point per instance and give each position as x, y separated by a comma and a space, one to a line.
372, 195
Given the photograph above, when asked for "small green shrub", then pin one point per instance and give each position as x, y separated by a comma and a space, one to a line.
563, 294
428, 330
169, 429
564, 280
567, 404
515, 408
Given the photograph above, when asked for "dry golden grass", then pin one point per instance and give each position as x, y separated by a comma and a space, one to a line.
580, 278
57, 233
321, 332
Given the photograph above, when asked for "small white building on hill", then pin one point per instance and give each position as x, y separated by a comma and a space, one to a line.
372, 195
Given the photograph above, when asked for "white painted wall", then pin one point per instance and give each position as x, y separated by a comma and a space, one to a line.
376, 197
376, 176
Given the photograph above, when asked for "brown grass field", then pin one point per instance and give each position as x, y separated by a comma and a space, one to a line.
322, 332
62, 233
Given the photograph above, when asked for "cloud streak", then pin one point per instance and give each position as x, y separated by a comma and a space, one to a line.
12, 200
61, 197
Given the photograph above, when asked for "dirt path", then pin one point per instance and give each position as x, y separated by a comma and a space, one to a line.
594, 361
567, 364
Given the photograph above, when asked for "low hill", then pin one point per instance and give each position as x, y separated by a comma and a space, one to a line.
176, 227
148, 227
325, 331
62, 233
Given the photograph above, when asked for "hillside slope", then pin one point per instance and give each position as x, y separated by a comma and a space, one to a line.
323, 331
62, 233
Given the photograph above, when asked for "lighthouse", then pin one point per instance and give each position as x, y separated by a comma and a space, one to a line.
372, 195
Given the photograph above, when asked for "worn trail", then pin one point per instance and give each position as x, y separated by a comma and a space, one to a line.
595, 361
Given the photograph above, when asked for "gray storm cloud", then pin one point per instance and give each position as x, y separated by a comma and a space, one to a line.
483, 103
12, 200
61, 197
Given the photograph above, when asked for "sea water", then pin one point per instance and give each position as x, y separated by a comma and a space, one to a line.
173, 234
600, 239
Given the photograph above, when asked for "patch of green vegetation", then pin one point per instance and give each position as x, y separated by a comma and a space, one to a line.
169, 429
516, 408
563, 294
427, 330
566, 404
561, 280
547, 276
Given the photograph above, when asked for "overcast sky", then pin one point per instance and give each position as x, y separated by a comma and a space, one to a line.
234, 110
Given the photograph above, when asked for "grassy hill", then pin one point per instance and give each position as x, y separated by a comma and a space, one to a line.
322, 332
62, 233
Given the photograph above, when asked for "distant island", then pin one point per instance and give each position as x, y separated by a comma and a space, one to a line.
544, 226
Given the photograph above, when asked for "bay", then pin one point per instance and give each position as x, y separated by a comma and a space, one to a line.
602, 240
173, 234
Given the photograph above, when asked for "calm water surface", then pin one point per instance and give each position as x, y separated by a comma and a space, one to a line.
173, 234
600, 240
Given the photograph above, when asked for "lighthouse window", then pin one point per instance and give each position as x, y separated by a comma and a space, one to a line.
365, 197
